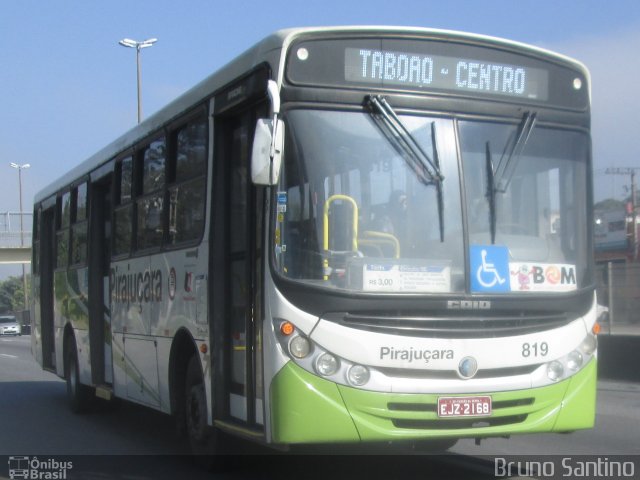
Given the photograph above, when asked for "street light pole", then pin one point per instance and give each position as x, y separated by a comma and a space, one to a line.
127, 42
24, 276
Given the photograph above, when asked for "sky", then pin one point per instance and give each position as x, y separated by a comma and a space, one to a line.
67, 88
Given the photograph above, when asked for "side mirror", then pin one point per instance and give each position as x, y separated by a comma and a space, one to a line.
268, 143
266, 155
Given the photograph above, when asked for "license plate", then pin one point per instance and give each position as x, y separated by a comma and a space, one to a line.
464, 406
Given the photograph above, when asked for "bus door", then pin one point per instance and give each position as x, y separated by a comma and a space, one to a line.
237, 269
47, 265
99, 286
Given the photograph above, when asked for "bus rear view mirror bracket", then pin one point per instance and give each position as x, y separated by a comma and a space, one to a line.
268, 143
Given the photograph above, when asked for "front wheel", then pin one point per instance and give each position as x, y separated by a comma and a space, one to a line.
203, 439
80, 396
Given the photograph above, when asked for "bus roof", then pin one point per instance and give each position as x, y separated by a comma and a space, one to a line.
251, 58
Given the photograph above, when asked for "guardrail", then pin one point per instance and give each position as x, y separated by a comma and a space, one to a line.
619, 290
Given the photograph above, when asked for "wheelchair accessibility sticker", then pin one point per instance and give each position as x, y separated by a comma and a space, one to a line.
491, 272
490, 268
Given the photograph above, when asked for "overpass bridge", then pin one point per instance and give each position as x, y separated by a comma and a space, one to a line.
15, 237
15, 255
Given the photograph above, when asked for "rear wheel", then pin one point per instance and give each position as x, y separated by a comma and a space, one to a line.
80, 396
203, 439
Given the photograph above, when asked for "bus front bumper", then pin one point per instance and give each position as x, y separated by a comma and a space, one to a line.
309, 409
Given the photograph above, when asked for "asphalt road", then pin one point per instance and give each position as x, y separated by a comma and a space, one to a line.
133, 442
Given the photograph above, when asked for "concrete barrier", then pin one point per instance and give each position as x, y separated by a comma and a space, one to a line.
618, 357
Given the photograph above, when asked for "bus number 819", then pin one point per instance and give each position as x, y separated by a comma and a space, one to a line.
535, 349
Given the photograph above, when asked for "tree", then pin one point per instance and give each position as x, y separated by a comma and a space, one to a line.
609, 204
12, 295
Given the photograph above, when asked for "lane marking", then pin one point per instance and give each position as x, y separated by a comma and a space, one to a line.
7, 355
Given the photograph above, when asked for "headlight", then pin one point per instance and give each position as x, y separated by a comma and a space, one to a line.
589, 344
299, 347
327, 364
574, 360
555, 370
358, 375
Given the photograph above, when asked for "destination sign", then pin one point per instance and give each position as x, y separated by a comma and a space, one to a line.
426, 71
439, 67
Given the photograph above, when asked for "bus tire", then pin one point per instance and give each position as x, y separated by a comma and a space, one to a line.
203, 439
80, 396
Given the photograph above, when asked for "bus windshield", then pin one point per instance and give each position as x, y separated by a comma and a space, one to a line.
352, 213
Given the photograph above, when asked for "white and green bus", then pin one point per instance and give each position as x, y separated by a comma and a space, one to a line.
345, 235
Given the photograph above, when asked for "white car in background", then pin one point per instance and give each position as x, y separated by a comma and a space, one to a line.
9, 325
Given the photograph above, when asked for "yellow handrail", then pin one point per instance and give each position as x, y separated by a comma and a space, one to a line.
354, 240
327, 204
381, 238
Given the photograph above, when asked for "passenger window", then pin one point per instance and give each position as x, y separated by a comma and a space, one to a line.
191, 158
62, 255
150, 206
187, 210
187, 193
79, 244
79, 226
65, 207
81, 203
153, 166
150, 221
126, 177
122, 230
123, 218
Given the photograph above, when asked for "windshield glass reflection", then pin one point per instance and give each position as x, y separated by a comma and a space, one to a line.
353, 213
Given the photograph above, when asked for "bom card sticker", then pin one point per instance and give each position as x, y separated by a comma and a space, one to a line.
542, 277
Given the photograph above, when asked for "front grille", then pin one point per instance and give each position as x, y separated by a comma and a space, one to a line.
459, 423
462, 326
453, 375
431, 407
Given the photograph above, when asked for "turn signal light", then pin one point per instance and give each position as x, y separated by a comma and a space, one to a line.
286, 328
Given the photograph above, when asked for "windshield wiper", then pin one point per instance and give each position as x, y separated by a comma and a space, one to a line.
427, 170
393, 128
498, 179
509, 161
436, 160
491, 192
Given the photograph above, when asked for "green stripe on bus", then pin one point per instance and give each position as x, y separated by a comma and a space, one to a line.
309, 409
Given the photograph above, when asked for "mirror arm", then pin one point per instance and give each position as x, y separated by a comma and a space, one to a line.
274, 97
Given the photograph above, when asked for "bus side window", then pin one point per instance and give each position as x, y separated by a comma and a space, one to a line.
79, 225
187, 191
150, 206
62, 236
124, 208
